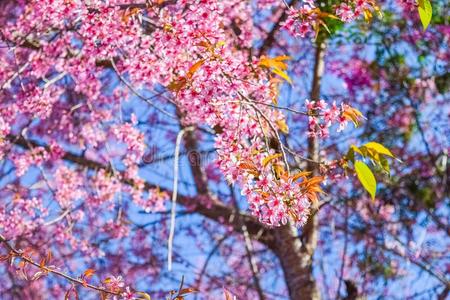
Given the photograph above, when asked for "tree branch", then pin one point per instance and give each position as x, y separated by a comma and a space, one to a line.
270, 39
215, 210
16, 253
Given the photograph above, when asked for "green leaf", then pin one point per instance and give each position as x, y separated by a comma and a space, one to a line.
366, 178
379, 148
425, 13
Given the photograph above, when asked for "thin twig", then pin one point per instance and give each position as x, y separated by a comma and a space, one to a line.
8, 82
305, 113
54, 79
277, 135
208, 258
248, 250
341, 275
20, 254
139, 95
59, 218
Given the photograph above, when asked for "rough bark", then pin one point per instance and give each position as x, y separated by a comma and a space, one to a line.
296, 262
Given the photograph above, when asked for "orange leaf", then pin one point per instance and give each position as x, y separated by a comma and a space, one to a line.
352, 114
300, 175
312, 181
177, 85
187, 291
88, 273
42, 263
49, 256
204, 44
247, 166
194, 68
250, 168
293, 215
130, 12
276, 65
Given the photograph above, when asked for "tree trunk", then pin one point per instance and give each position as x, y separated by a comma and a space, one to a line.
296, 252
296, 262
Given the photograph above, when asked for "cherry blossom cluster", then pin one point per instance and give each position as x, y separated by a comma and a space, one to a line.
23, 161
409, 5
273, 196
68, 186
106, 186
302, 20
348, 11
356, 75
38, 102
155, 202
307, 18
134, 140
323, 116
23, 216
267, 4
